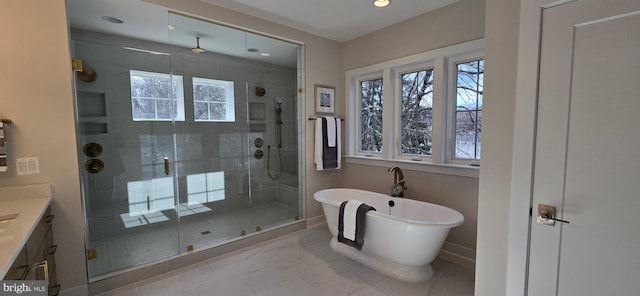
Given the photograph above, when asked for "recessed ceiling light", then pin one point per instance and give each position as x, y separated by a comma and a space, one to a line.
265, 54
112, 19
381, 3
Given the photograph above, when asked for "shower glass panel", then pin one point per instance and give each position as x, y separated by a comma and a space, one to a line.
126, 112
221, 147
188, 133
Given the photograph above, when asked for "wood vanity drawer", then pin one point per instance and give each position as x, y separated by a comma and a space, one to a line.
38, 235
36, 260
19, 268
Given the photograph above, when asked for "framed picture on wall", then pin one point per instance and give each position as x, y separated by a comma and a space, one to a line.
325, 99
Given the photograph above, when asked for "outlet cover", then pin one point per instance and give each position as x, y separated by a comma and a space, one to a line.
28, 166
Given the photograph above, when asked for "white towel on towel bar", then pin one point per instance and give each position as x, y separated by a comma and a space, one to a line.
317, 156
319, 143
331, 131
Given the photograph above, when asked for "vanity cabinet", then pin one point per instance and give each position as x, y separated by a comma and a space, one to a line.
36, 259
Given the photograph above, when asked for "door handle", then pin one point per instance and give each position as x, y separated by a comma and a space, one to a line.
546, 215
166, 166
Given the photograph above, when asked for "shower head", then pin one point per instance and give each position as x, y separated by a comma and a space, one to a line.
198, 49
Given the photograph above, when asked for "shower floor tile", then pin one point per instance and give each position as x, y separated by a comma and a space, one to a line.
302, 263
128, 250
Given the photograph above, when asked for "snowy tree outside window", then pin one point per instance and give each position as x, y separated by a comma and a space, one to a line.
416, 112
156, 96
468, 117
371, 115
432, 109
213, 100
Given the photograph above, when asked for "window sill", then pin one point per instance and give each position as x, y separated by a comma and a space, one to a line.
419, 166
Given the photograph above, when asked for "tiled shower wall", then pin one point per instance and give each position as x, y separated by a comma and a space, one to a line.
134, 150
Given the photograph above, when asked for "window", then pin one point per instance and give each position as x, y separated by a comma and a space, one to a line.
468, 117
156, 96
416, 112
213, 100
371, 115
433, 107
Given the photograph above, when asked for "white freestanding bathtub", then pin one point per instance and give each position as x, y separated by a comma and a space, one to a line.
402, 237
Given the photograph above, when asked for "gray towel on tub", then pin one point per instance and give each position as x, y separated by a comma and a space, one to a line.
361, 214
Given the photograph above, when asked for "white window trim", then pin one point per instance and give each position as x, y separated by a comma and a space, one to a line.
439, 162
230, 115
358, 91
179, 112
451, 104
396, 73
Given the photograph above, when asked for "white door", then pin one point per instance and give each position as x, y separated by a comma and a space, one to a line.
588, 151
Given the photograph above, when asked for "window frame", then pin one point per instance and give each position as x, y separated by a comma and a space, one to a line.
229, 86
452, 106
440, 60
358, 92
397, 76
179, 114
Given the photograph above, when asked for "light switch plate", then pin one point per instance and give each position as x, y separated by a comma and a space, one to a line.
28, 166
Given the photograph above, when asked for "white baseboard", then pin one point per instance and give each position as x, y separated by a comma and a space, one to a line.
457, 259
460, 250
315, 220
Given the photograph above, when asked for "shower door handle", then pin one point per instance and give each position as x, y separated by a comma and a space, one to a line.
166, 166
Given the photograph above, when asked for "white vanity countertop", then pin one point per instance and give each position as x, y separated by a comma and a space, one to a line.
30, 203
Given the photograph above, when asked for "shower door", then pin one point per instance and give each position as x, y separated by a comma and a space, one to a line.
127, 103
225, 191
212, 166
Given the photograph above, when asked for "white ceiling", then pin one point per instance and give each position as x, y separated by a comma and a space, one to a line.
340, 20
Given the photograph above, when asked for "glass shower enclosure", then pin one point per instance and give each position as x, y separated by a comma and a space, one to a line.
184, 144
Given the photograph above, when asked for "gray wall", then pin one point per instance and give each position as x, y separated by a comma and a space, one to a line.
453, 24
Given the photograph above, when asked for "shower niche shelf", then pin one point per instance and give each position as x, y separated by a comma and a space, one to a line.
257, 127
92, 104
93, 128
92, 112
257, 111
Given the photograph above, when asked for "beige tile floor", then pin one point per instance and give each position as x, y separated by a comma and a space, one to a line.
298, 264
